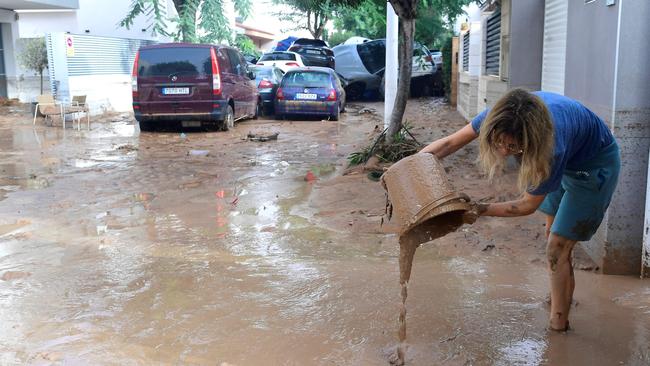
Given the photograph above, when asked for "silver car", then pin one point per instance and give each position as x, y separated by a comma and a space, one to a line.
362, 66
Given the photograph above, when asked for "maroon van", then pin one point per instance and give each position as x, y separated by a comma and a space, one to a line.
194, 84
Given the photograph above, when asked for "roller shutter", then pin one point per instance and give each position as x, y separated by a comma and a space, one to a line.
554, 56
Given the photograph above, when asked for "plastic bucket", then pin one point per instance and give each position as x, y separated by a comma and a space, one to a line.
420, 196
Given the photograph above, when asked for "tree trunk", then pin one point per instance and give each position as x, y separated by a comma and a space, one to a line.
405, 54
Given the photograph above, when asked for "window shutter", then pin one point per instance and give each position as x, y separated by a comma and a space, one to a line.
493, 43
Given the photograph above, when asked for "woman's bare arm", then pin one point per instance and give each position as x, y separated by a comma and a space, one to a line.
525, 205
450, 144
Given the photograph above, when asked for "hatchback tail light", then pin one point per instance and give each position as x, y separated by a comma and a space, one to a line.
293, 64
428, 58
332, 95
134, 76
265, 84
216, 77
260, 64
279, 95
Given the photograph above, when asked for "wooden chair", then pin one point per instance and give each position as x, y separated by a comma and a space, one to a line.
48, 107
77, 106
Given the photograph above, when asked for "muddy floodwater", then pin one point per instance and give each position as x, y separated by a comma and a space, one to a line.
126, 248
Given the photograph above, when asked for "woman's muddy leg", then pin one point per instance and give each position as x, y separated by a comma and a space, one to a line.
549, 223
558, 252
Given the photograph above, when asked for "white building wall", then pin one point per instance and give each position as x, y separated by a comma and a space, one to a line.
468, 79
475, 48
100, 18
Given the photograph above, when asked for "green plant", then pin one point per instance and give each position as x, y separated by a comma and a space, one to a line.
447, 56
246, 45
33, 56
336, 38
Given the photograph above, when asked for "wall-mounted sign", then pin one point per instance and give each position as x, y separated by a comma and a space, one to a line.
69, 45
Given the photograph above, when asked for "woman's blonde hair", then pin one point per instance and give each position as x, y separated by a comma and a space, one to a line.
524, 117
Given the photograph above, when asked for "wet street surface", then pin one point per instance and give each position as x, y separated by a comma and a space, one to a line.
126, 248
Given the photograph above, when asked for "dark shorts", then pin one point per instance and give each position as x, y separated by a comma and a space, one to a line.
580, 203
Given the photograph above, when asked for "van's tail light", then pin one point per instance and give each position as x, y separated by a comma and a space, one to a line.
216, 77
260, 64
134, 76
265, 84
332, 95
428, 58
293, 64
279, 95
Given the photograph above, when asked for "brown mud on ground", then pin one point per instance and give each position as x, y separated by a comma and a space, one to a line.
154, 255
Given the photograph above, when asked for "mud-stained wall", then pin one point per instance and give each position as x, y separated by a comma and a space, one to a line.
614, 84
467, 95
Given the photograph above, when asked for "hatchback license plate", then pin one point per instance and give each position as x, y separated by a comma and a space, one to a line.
191, 123
175, 91
309, 96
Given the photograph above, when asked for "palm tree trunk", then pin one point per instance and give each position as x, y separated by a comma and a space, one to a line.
407, 30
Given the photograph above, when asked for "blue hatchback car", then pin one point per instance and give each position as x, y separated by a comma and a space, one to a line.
315, 91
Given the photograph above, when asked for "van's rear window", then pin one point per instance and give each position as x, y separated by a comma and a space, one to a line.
278, 57
179, 61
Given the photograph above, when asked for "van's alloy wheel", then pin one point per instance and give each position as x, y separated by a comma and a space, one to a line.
228, 120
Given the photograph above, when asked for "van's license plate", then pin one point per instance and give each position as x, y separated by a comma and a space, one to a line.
191, 123
309, 96
175, 91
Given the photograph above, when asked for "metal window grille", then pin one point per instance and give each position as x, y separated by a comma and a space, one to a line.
103, 55
466, 52
493, 43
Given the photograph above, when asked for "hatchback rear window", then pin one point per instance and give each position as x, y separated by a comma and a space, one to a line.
262, 74
310, 51
310, 42
309, 79
278, 57
177, 61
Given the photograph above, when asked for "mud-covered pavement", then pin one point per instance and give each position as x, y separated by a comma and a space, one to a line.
122, 248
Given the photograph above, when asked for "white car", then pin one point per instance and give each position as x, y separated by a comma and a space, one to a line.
284, 60
423, 64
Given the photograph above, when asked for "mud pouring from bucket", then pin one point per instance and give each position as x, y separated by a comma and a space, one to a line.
424, 204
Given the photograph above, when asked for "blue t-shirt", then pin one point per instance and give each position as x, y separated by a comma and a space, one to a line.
579, 136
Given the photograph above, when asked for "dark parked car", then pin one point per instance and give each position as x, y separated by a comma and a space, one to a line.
310, 91
194, 84
268, 80
314, 52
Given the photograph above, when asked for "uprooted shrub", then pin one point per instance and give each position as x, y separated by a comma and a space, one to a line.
404, 144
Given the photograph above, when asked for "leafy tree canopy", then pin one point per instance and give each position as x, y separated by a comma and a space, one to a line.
33, 56
197, 20
368, 19
313, 15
